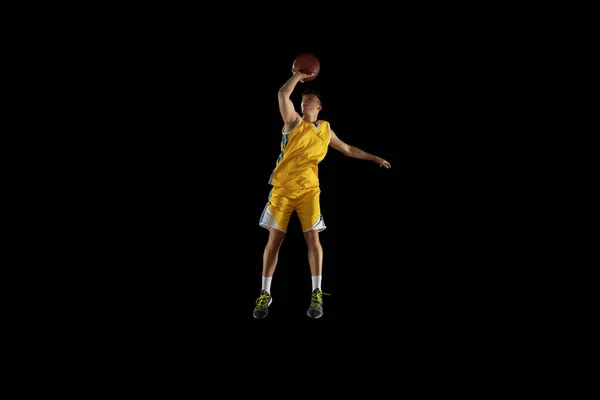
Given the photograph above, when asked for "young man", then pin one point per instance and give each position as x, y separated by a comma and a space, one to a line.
295, 181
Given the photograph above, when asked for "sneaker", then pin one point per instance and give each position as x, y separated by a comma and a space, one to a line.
262, 305
316, 304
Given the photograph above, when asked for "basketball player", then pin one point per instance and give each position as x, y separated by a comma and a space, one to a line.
295, 187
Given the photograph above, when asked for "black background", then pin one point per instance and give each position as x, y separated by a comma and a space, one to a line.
189, 132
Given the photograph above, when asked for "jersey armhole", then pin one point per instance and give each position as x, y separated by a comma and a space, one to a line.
287, 133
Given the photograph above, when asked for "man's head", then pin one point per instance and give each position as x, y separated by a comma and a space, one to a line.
311, 101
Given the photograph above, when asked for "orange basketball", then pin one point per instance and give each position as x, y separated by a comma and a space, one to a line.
307, 63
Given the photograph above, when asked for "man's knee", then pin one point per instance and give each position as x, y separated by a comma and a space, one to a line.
312, 238
275, 237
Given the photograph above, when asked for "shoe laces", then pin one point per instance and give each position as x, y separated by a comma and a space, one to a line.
316, 300
263, 300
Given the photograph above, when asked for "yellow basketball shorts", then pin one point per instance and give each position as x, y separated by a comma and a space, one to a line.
283, 202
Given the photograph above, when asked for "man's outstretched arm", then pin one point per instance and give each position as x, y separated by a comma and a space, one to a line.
355, 152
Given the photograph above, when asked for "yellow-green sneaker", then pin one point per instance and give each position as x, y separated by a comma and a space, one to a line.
262, 305
316, 304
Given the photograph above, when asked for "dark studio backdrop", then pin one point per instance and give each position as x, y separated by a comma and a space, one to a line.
231, 156
202, 134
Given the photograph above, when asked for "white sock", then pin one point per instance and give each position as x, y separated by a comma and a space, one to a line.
316, 282
266, 283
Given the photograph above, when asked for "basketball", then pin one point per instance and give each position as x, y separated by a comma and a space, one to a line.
307, 63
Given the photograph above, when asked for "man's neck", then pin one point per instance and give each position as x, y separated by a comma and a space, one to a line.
310, 118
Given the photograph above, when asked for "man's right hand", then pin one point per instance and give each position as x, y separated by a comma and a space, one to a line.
302, 75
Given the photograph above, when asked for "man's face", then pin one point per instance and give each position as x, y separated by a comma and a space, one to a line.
310, 102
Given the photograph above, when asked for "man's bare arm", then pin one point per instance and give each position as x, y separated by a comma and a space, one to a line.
354, 152
286, 107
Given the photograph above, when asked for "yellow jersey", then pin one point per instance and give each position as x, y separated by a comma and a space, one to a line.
302, 149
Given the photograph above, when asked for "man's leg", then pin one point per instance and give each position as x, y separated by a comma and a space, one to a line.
315, 252
271, 253
315, 260
270, 257
309, 212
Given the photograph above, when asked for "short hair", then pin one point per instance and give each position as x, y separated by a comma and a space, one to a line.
313, 92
